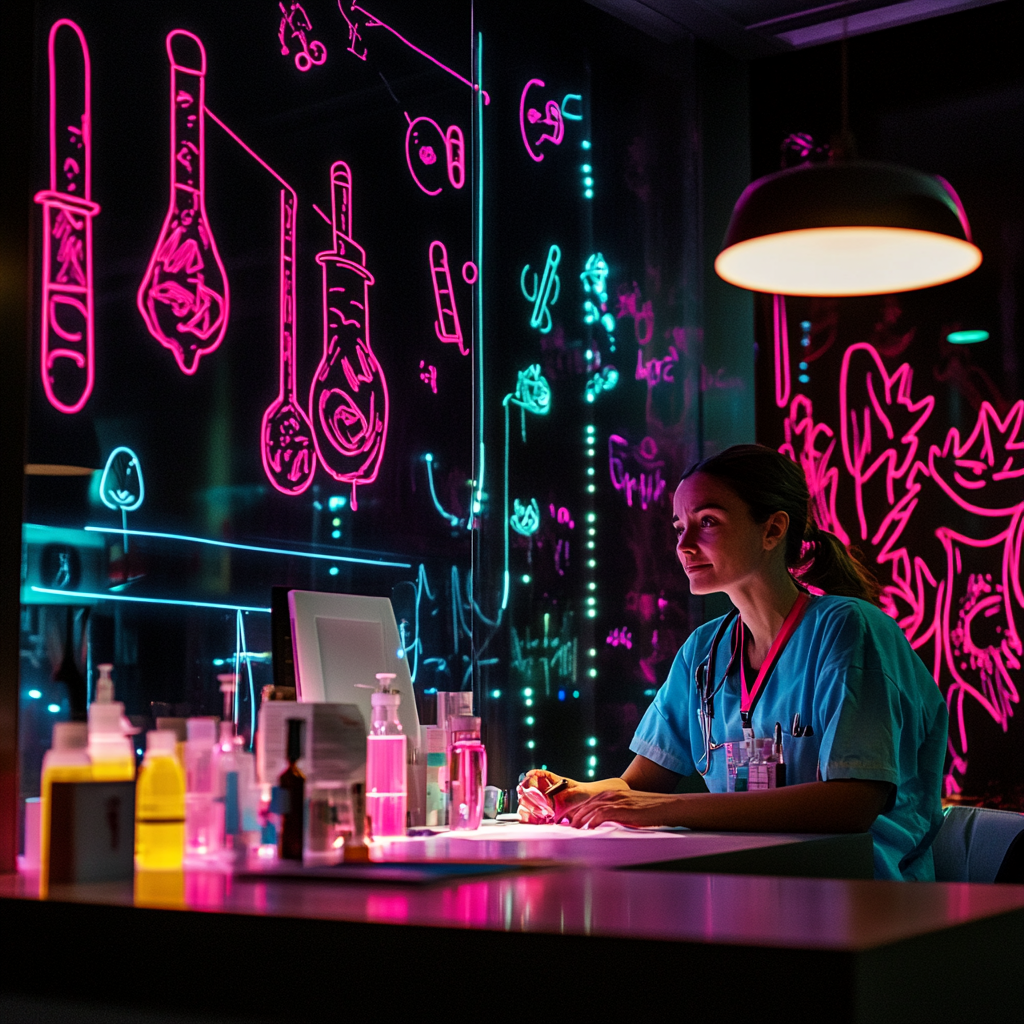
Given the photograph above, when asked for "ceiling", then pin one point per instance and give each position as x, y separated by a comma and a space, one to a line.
758, 28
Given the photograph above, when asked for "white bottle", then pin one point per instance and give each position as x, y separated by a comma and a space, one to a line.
201, 833
110, 749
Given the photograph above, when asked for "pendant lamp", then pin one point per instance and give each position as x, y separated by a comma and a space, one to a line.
847, 228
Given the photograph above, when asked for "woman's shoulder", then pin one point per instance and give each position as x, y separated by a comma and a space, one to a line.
835, 611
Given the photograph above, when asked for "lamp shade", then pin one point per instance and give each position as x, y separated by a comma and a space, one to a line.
854, 228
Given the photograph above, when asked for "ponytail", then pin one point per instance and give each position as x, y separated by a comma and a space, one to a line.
768, 482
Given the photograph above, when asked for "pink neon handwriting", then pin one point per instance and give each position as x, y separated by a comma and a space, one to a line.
643, 315
563, 551
543, 293
561, 515
446, 326
469, 272
620, 637
657, 371
636, 470
294, 25
538, 126
428, 374
424, 141
184, 297
958, 598
348, 399
357, 16
68, 346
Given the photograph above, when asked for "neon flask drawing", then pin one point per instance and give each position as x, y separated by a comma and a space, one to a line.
122, 486
348, 399
424, 140
68, 347
184, 297
549, 124
544, 292
446, 326
295, 24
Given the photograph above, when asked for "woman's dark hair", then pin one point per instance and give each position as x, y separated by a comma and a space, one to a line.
769, 482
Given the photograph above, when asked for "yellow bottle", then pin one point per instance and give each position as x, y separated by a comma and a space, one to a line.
66, 761
110, 750
160, 806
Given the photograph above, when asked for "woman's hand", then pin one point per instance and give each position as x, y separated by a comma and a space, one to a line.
535, 808
625, 806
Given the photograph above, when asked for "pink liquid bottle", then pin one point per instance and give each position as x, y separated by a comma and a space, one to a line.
348, 401
467, 773
386, 763
184, 295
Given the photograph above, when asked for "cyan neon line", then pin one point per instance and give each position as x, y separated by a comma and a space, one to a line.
149, 600
251, 547
454, 520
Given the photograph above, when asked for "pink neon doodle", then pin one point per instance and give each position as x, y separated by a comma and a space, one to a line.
636, 469
348, 400
295, 24
657, 371
286, 435
620, 637
446, 326
354, 14
469, 272
184, 295
561, 515
958, 598
551, 118
68, 363
780, 333
424, 141
428, 374
643, 315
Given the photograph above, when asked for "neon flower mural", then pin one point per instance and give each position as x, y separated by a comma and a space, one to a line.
184, 297
956, 593
546, 125
122, 486
525, 519
434, 156
446, 326
68, 349
544, 292
294, 25
348, 399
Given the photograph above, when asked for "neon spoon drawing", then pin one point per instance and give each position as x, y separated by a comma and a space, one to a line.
184, 295
68, 321
121, 485
348, 400
446, 326
289, 457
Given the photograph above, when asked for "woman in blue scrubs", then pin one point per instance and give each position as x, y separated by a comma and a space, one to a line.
867, 750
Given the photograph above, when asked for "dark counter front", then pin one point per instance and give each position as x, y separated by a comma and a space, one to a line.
567, 943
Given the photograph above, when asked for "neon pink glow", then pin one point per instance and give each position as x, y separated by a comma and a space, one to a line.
286, 435
636, 469
550, 118
657, 371
469, 272
620, 637
295, 24
446, 326
958, 599
348, 399
356, 46
428, 374
961, 212
184, 295
780, 332
643, 316
423, 140
68, 347
562, 516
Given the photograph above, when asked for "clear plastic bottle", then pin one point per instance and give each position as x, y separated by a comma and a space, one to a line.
67, 760
201, 838
467, 773
386, 782
160, 806
110, 749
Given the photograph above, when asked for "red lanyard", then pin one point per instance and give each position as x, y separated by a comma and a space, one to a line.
749, 698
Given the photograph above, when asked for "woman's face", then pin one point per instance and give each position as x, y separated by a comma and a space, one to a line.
719, 545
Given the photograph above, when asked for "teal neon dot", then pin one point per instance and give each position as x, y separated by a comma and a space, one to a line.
967, 337
586, 168
591, 741
53, 708
35, 694
495, 694
528, 692
588, 182
526, 577
336, 534
530, 744
334, 570
588, 193
585, 144
576, 694
530, 720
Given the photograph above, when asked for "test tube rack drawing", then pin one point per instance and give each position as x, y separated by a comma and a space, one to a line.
184, 296
68, 349
446, 326
348, 399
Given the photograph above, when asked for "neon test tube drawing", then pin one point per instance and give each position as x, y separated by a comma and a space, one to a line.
68, 365
446, 326
286, 436
184, 294
348, 399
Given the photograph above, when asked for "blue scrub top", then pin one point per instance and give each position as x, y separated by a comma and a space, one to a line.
875, 710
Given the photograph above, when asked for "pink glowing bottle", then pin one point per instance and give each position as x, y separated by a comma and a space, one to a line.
467, 773
348, 400
184, 295
386, 763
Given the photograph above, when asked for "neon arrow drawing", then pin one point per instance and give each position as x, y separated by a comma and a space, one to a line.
348, 400
446, 326
184, 294
68, 364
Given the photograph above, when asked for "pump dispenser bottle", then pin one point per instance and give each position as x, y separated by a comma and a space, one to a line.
386, 784
110, 750
67, 760
160, 805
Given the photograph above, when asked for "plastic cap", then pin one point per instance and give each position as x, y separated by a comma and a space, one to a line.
161, 741
203, 730
106, 718
70, 736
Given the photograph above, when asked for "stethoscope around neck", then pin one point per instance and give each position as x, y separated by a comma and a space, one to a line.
707, 688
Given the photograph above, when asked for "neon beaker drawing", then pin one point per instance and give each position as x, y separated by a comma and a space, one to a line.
184, 294
286, 437
348, 400
68, 320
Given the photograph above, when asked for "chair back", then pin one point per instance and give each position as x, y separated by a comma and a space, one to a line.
978, 844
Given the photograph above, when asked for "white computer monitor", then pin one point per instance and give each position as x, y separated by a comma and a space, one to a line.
343, 639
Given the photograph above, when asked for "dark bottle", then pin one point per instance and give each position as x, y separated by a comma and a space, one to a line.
292, 784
